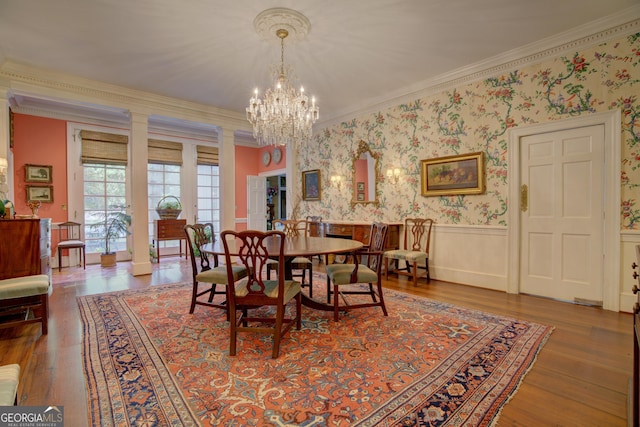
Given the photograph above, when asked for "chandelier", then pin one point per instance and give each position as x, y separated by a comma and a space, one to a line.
284, 115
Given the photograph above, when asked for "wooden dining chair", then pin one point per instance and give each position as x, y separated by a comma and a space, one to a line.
366, 269
415, 252
303, 265
251, 296
203, 272
70, 238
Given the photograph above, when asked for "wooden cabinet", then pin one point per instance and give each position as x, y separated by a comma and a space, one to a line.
170, 229
355, 231
25, 247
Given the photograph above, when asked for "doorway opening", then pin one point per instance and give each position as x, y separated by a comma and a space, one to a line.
276, 199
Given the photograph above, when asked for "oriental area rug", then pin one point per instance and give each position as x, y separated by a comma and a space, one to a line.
148, 362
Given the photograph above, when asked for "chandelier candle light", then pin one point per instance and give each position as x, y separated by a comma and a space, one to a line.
285, 115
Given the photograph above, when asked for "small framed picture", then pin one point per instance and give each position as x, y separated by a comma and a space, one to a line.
360, 186
42, 194
311, 185
361, 197
38, 173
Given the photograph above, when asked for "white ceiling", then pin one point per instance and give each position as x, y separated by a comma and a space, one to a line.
358, 52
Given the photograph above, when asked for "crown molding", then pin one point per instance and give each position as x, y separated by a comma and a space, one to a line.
70, 94
600, 31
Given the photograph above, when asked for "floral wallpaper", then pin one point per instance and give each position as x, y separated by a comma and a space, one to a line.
476, 117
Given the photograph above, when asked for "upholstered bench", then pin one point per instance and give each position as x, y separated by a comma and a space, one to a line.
25, 300
9, 377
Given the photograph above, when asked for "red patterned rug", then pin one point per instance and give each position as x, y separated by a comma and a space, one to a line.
148, 362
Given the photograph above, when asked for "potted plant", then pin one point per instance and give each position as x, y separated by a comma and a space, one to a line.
113, 224
5, 208
169, 207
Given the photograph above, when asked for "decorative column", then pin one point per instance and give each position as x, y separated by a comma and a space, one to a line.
227, 179
6, 169
140, 262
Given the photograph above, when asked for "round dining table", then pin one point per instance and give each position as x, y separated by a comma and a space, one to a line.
296, 247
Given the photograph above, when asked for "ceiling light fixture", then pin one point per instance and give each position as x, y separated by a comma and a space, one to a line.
284, 115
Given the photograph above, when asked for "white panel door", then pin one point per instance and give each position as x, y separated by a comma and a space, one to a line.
256, 203
562, 226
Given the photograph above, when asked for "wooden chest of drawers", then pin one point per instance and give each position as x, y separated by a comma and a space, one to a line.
356, 231
170, 229
25, 248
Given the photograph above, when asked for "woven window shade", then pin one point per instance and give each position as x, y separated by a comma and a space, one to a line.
101, 147
165, 152
207, 155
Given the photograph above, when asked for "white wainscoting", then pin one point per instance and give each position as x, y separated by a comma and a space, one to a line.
473, 255
628, 241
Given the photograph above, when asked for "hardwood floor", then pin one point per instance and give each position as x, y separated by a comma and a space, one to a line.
581, 377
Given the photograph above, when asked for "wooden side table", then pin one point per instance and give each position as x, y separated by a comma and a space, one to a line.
170, 229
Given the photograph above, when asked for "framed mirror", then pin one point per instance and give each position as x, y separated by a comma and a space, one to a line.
366, 169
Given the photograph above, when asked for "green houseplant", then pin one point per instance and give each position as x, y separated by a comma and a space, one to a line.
113, 224
169, 207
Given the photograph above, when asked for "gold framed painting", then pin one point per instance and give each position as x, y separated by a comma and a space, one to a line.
311, 185
41, 193
453, 175
38, 173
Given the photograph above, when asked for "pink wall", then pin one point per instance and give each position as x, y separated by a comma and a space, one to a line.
250, 165
40, 141
273, 165
43, 141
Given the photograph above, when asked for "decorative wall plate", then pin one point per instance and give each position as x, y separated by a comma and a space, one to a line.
266, 158
277, 154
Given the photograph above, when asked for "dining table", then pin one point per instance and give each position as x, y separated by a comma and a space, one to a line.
296, 247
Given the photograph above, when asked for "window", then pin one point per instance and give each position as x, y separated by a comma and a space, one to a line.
209, 195
104, 191
164, 180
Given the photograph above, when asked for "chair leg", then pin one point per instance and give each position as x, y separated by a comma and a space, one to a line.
336, 296
84, 258
384, 307
212, 292
44, 302
328, 290
194, 294
277, 332
426, 266
59, 260
310, 281
415, 273
233, 333
386, 268
373, 294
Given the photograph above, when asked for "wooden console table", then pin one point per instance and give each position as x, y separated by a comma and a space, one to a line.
170, 229
355, 230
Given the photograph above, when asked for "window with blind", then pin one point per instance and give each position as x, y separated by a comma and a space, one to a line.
208, 187
104, 158
164, 175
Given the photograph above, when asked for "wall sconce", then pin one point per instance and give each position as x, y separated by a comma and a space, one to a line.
393, 175
336, 181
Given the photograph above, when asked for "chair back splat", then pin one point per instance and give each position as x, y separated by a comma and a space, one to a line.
301, 267
255, 297
415, 252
